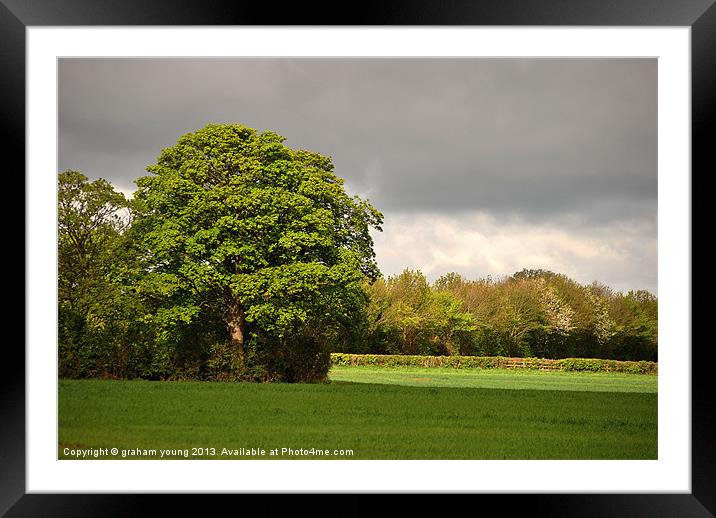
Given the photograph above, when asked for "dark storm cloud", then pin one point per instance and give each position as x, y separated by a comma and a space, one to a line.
534, 138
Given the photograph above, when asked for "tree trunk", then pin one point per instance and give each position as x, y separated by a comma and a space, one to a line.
236, 325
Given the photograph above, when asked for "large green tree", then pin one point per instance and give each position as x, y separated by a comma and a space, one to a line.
235, 225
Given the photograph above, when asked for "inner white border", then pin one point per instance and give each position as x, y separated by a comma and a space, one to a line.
671, 473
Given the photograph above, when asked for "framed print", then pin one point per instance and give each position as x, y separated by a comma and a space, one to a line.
77, 74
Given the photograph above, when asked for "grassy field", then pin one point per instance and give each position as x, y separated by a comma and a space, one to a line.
517, 379
367, 413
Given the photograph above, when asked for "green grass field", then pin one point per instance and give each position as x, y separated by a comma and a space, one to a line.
517, 379
376, 413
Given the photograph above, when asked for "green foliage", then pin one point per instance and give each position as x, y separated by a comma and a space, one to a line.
96, 337
534, 313
236, 228
581, 364
494, 362
223, 364
408, 317
304, 357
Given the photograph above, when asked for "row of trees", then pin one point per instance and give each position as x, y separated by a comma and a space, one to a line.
531, 313
239, 258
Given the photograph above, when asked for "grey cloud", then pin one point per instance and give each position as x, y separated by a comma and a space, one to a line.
535, 136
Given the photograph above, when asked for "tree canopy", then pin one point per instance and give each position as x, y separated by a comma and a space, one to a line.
530, 313
234, 224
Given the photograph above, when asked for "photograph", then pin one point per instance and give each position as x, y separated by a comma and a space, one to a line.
431, 244
357, 258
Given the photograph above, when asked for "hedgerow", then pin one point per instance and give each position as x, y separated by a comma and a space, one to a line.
494, 362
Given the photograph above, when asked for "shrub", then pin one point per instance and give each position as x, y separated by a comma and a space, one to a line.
493, 362
223, 363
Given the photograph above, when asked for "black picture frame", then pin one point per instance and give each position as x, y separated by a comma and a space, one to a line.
699, 15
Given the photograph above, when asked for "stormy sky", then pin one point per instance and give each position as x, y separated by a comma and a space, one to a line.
480, 166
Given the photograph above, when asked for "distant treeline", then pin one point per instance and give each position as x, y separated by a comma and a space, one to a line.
533, 313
